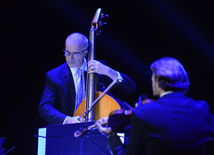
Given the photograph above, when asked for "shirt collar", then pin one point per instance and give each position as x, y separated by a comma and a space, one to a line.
83, 67
167, 92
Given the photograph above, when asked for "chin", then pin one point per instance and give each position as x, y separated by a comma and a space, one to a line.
71, 64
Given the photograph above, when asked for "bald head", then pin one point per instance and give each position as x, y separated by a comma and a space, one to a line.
77, 39
76, 44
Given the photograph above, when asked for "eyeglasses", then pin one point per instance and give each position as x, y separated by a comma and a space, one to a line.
74, 54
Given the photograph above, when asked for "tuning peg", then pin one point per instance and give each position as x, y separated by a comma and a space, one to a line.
101, 23
104, 16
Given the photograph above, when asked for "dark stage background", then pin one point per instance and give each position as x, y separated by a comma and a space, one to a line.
137, 33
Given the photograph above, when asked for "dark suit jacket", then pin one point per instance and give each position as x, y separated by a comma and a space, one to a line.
58, 99
173, 124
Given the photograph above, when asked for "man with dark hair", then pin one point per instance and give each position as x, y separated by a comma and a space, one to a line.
173, 124
170, 75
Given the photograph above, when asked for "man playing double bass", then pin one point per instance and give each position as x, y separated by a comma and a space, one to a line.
63, 91
172, 125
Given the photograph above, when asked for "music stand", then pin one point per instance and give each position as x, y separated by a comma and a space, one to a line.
60, 140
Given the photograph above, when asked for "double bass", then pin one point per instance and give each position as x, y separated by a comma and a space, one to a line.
96, 104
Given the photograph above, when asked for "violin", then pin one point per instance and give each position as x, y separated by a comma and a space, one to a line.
119, 120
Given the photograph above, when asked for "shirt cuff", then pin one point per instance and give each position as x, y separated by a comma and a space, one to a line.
65, 120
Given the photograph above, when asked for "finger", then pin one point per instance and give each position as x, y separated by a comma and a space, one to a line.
82, 119
91, 62
76, 117
92, 68
91, 71
100, 127
104, 119
99, 121
75, 120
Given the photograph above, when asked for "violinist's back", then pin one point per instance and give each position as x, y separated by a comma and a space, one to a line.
173, 124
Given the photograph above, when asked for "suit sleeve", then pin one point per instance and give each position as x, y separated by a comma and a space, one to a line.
127, 86
135, 139
47, 107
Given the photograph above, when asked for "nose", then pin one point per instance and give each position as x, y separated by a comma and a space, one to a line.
71, 56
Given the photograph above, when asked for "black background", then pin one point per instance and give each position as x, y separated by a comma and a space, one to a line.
136, 34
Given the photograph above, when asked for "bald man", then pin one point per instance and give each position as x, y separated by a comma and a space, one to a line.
61, 97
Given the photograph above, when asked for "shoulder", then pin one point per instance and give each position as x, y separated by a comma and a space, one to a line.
180, 98
197, 104
147, 108
201, 106
57, 70
58, 73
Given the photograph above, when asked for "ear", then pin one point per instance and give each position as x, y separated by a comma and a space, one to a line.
164, 83
86, 52
156, 78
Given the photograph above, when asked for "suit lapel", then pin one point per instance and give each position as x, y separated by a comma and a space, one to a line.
68, 78
85, 77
